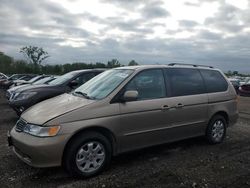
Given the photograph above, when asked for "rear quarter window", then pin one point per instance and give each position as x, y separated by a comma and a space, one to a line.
214, 81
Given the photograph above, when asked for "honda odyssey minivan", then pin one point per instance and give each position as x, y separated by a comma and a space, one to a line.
125, 109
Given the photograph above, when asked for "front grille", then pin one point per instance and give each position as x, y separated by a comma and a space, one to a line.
12, 96
20, 125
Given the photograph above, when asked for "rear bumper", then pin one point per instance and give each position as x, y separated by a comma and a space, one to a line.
244, 93
36, 151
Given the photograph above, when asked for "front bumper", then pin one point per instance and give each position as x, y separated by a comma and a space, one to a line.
37, 151
8, 95
21, 105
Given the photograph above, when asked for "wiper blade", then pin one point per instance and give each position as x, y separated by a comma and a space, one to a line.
83, 94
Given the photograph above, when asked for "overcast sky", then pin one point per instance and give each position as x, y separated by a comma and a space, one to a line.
213, 32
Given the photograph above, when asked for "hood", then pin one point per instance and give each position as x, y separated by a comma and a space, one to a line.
20, 81
33, 87
54, 107
16, 88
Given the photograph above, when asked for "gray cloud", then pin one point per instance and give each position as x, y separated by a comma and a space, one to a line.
127, 4
188, 23
154, 9
47, 24
192, 4
208, 35
226, 19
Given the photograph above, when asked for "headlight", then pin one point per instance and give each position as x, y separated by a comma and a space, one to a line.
24, 95
37, 130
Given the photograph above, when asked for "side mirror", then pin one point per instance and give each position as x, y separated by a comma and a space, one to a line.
73, 83
130, 95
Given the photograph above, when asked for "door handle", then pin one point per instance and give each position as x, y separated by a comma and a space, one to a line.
165, 107
179, 105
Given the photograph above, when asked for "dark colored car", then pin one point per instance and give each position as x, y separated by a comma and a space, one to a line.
3, 76
235, 83
4, 79
15, 89
244, 90
27, 97
8, 82
28, 81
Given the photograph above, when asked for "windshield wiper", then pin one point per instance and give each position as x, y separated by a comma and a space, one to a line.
83, 94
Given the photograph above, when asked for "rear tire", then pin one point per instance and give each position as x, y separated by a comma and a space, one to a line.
216, 129
87, 155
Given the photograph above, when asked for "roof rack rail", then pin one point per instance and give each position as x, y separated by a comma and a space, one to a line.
173, 64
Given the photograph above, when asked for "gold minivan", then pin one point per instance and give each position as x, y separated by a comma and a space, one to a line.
125, 109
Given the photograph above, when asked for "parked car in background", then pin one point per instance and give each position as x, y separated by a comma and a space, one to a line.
3, 76
26, 97
13, 77
121, 110
45, 80
235, 83
244, 90
8, 82
245, 80
28, 81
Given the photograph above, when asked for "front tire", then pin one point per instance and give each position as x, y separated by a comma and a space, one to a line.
87, 155
216, 130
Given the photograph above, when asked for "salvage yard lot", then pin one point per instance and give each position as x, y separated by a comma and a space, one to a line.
188, 163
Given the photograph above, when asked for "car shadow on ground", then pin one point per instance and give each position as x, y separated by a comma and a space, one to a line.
57, 174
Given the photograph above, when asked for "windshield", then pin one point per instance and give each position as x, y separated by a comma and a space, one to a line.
34, 79
103, 84
43, 81
62, 79
20, 78
26, 78
15, 76
234, 82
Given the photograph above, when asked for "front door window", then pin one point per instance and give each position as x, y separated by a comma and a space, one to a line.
149, 84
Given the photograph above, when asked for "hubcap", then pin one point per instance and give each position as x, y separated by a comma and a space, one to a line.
218, 130
90, 156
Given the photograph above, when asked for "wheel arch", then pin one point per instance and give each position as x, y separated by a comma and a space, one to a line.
223, 114
104, 131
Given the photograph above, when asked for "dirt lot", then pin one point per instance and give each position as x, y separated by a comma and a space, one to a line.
189, 163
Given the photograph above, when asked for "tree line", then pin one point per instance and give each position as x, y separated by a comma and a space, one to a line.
35, 57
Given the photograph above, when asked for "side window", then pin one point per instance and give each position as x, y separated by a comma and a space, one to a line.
84, 78
215, 82
149, 84
185, 81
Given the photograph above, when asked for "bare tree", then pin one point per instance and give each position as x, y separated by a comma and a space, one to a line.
34, 54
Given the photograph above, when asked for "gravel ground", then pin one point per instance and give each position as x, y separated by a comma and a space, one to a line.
188, 163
